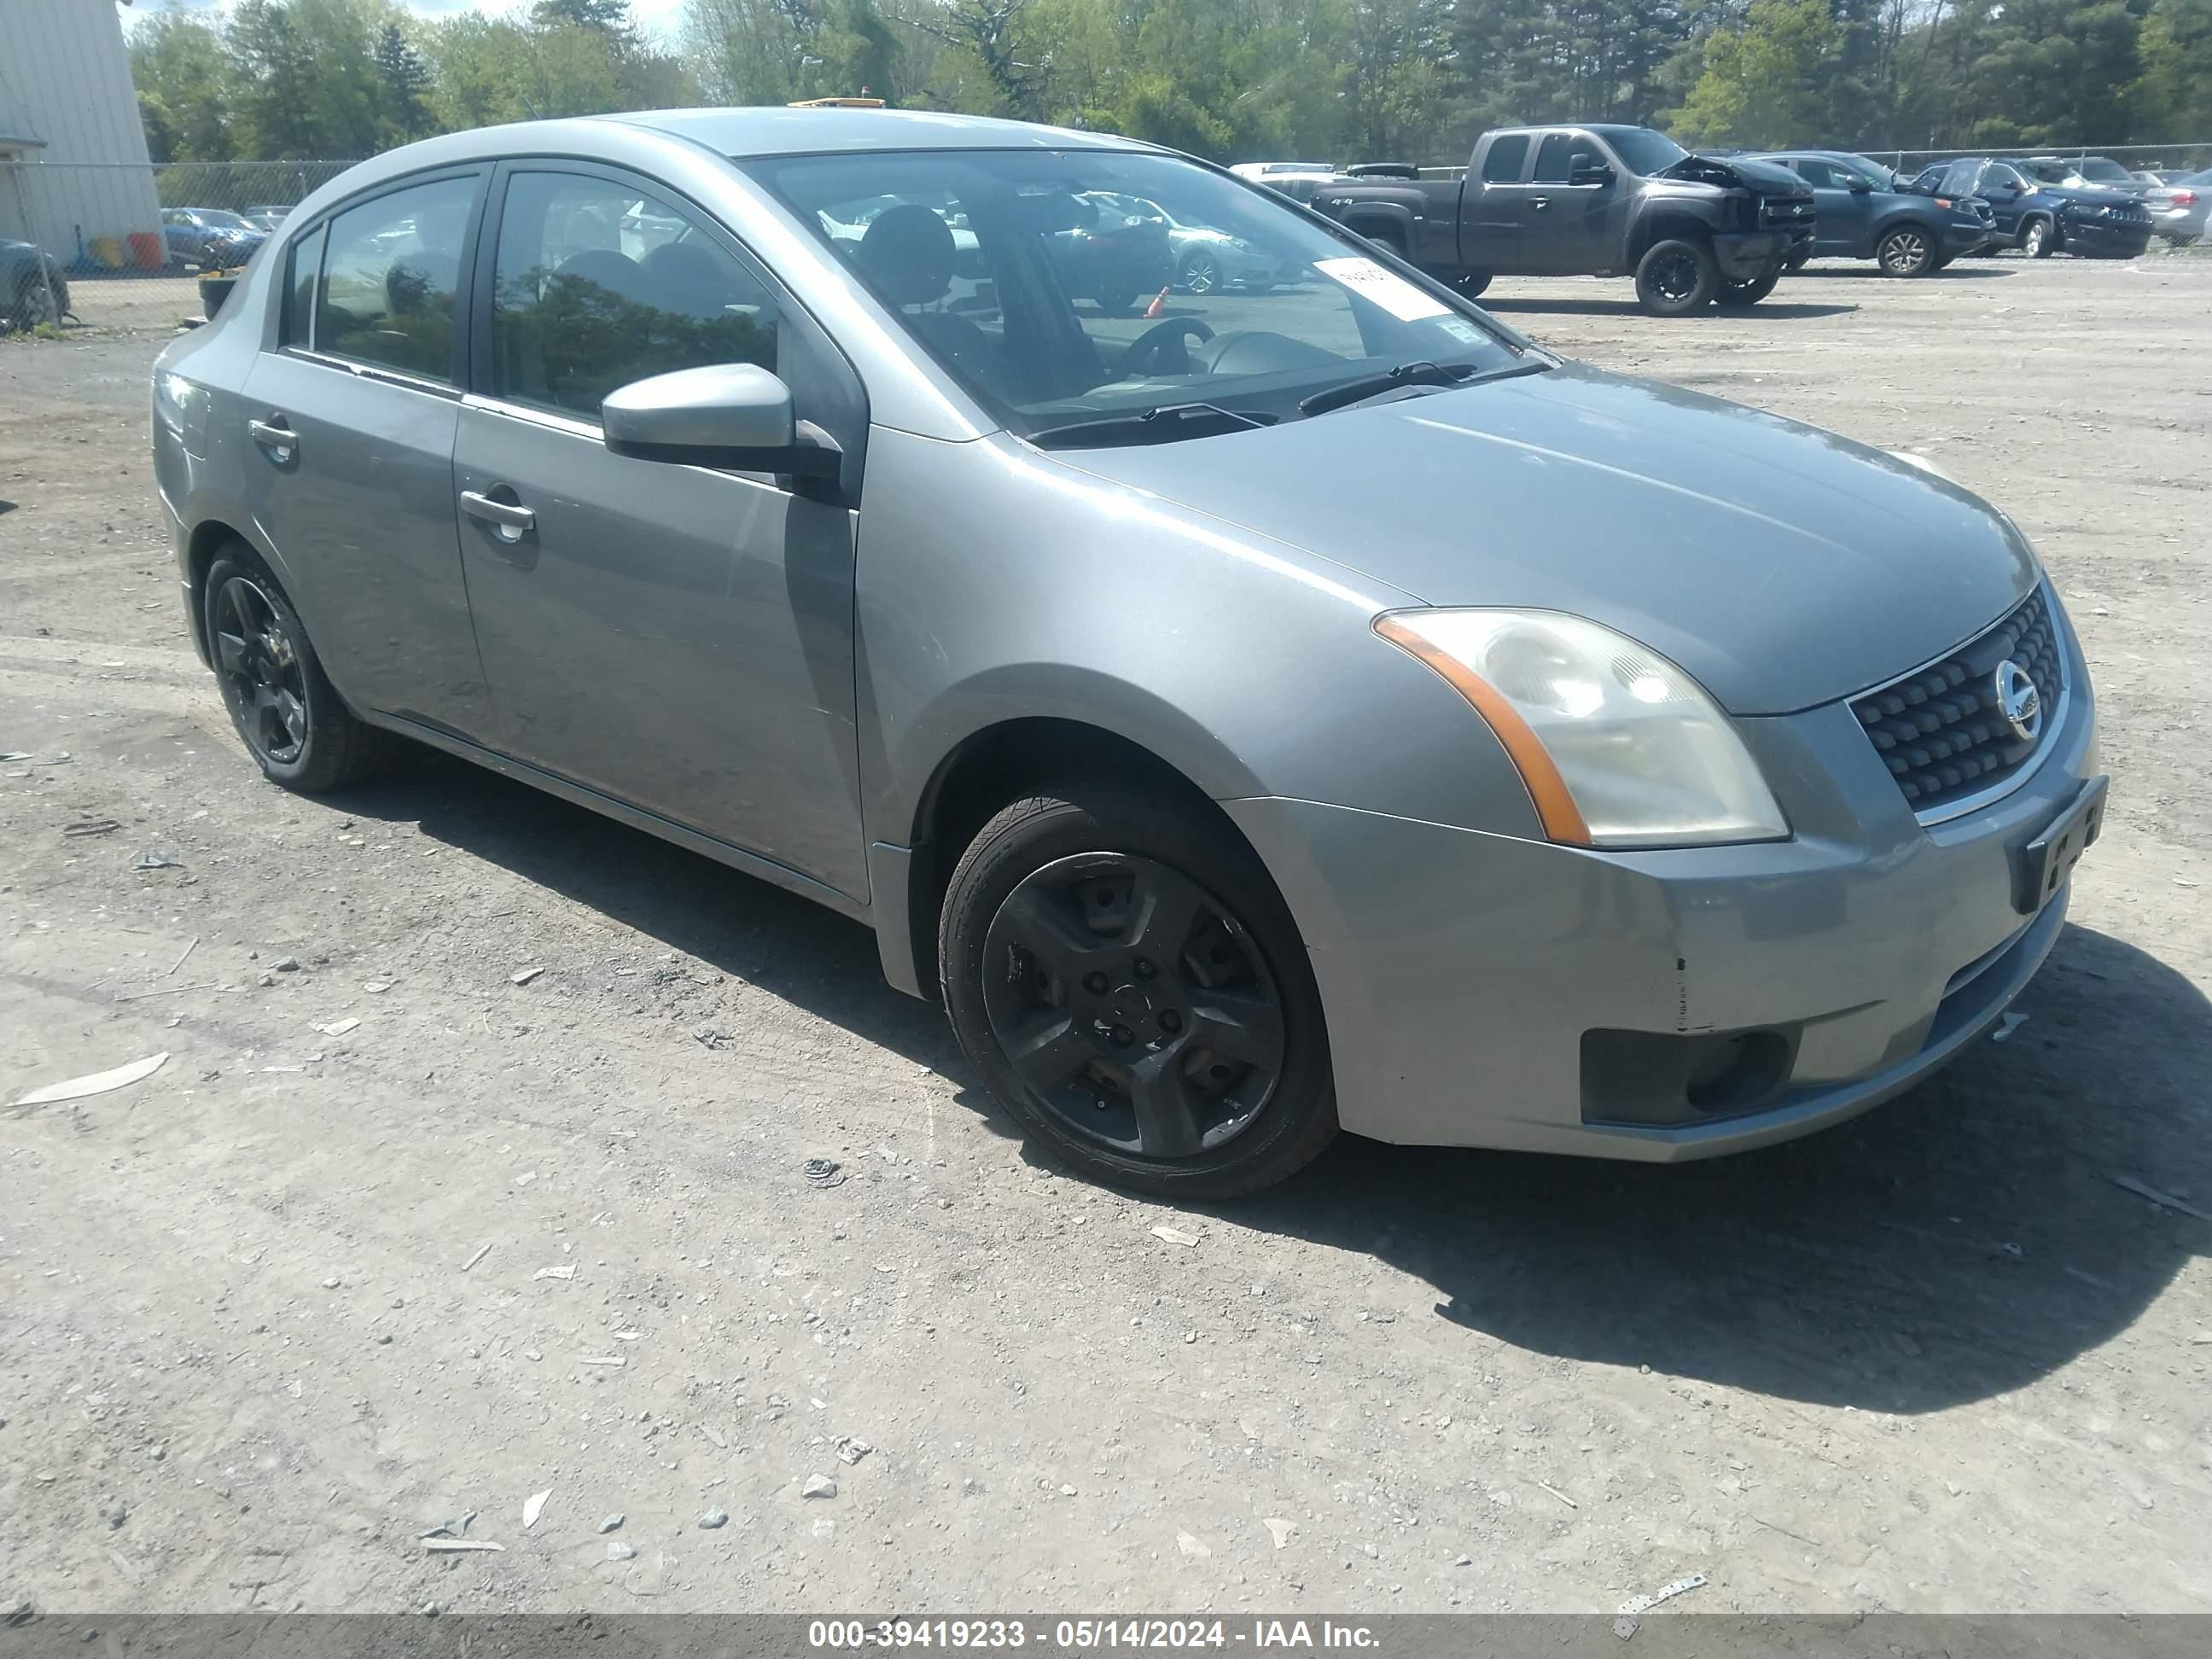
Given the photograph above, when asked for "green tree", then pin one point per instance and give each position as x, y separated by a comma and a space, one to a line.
1766, 82
181, 70
403, 79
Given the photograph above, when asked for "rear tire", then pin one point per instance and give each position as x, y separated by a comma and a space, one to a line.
1905, 251
1104, 936
1472, 283
2038, 237
1676, 277
295, 726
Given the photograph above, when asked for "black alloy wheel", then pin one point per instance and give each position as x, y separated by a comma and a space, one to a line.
1134, 1005
1677, 277
296, 727
1121, 972
264, 680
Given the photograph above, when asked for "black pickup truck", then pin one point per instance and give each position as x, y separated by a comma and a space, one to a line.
1594, 201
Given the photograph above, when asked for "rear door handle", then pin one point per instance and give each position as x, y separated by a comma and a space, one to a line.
280, 440
1540, 202
506, 515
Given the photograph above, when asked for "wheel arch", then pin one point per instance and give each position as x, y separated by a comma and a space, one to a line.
1663, 226
1391, 223
986, 769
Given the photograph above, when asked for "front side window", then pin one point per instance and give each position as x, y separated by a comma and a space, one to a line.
1057, 285
598, 283
1819, 174
1552, 166
1502, 165
390, 276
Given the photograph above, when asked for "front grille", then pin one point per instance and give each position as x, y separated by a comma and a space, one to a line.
1940, 732
1784, 210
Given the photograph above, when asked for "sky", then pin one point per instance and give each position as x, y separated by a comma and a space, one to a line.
657, 17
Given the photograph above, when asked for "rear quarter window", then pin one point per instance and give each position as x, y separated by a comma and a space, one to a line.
1502, 162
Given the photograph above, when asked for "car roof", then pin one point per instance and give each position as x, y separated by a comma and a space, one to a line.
778, 131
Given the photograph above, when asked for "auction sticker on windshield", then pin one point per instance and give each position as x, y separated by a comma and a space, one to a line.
1387, 289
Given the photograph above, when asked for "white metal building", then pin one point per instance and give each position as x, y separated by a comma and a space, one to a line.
73, 164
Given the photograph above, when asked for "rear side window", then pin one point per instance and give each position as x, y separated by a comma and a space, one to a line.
1502, 165
598, 283
307, 264
1552, 163
389, 279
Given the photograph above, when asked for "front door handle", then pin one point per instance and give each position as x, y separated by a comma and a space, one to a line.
1540, 202
512, 518
281, 441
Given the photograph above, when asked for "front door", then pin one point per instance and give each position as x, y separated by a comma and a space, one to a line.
1843, 226
678, 638
1572, 190
349, 425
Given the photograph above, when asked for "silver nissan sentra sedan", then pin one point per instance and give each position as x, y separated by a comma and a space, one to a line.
1252, 714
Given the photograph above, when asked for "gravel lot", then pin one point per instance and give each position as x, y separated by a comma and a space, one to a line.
268, 1316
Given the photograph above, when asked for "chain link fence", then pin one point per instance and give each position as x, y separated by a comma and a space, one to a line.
131, 242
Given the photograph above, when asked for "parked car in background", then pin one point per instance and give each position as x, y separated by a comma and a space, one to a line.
214, 239
1368, 720
1861, 215
1120, 256
2178, 208
2079, 173
1599, 200
265, 217
31, 288
1205, 257
1298, 180
2041, 218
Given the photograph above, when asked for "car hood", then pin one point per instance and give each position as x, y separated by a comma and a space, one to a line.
1782, 566
1768, 178
2089, 196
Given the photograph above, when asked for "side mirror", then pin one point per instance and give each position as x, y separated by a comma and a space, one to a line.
729, 415
1861, 187
1593, 174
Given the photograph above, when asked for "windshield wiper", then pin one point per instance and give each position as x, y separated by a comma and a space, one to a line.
1169, 421
1411, 374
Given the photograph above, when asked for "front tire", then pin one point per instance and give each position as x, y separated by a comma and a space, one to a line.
1905, 251
1737, 296
1676, 277
296, 727
1123, 975
1200, 272
2038, 238
1472, 283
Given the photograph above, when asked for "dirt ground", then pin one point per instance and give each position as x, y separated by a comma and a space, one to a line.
271, 1314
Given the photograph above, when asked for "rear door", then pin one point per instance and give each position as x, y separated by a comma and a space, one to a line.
1491, 223
1845, 225
676, 637
350, 415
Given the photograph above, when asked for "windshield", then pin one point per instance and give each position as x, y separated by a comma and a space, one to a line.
2048, 173
2104, 172
1050, 285
1648, 153
221, 219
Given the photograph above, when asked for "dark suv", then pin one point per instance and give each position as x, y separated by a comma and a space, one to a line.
2039, 218
1864, 215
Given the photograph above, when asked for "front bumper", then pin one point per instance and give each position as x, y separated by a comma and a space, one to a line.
1744, 255
2093, 236
1486, 991
1962, 237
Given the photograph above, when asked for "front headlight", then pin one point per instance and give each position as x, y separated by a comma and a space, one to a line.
1618, 746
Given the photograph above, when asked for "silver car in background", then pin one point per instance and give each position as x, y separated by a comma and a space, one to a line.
1255, 716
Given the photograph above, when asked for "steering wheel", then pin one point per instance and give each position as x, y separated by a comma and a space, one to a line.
1154, 342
